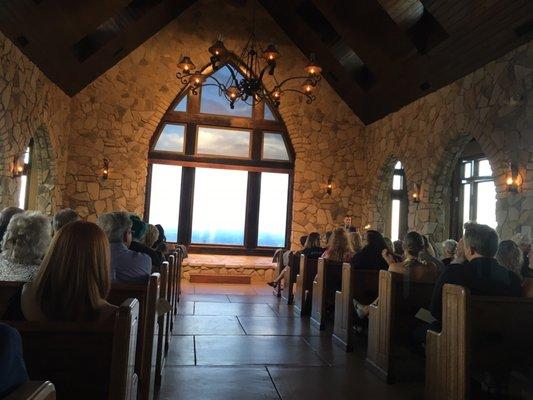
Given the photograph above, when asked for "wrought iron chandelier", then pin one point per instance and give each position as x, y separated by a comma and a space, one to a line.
254, 63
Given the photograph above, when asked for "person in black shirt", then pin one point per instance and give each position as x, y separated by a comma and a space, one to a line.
482, 274
370, 256
138, 230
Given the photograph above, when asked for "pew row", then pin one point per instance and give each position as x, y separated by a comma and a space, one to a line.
145, 358
303, 289
327, 281
277, 272
391, 323
479, 333
84, 360
162, 322
33, 390
289, 277
359, 284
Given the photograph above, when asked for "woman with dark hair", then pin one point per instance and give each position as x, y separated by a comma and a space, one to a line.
370, 256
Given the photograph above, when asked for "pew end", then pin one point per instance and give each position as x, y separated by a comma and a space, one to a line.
327, 281
33, 390
304, 286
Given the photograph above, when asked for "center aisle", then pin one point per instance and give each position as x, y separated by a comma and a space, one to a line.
241, 342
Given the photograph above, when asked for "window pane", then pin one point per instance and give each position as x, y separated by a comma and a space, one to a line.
467, 169
486, 204
165, 199
214, 102
219, 206
171, 138
274, 147
484, 168
182, 105
397, 182
23, 188
398, 165
273, 209
466, 204
223, 142
395, 220
269, 115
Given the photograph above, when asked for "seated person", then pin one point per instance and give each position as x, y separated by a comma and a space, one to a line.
127, 266
413, 267
482, 274
12, 369
311, 250
5, 216
370, 256
161, 242
390, 250
397, 246
339, 248
25, 241
63, 217
73, 281
138, 230
524, 243
151, 236
356, 241
449, 248
510, 256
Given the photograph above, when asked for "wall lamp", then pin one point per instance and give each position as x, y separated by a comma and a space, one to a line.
105, 171
513, 179
367, 227
329, 187
416, 193
18, 168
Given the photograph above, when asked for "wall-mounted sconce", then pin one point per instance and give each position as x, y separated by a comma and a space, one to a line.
513, 179
367, 227
416, 193
329, 187
105, 171
17, 167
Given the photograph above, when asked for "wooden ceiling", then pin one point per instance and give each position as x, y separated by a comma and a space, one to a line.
379, 55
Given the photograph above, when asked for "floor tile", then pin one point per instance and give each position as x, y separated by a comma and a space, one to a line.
186, 307
333, 354
283, 310
254, 350
267, 299
338, 384
181, 351
206, 325
202, 383
237, 309
278, 326
209, 288
217, 298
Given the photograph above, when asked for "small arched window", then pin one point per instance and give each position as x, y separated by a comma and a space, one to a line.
399, 203
25, 178
219, 178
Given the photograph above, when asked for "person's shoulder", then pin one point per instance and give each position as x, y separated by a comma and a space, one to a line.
453, 272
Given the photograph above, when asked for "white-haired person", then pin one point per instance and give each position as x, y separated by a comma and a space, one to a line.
524, 243
449, 248
63, 217
24, 245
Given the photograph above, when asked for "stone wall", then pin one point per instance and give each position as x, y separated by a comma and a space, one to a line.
31, 106
494, 105
116, 116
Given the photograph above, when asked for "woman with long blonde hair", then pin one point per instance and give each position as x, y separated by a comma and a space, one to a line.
73, 281
339, 247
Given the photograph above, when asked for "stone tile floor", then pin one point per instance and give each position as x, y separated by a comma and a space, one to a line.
240, 342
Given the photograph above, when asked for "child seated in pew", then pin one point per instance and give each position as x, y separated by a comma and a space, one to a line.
413, 268
12, 369
73, 281
26, 239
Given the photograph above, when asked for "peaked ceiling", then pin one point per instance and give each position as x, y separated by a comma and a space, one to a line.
379, 55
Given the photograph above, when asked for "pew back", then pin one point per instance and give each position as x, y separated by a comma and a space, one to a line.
479, 333
33, 390
7, 291
84, 360
162, 320
304, 285
290, 277
392, 320
327, 281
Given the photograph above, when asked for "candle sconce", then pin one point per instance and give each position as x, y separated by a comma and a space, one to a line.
416, 193
105, 171
329, 187
513, 179
18, 168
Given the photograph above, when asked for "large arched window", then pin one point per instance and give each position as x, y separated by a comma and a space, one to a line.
220, 179
399, 203
473, 191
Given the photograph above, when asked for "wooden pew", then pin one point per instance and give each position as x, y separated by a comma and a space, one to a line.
392, 321
33, 390
162, 320
327, 281
145, 358
84, 360
303, 290
7, 291
179, 270
172, 289
359, 284
479, 333
290, 277
279, 268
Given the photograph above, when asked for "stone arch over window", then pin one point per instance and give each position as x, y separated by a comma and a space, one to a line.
199, 137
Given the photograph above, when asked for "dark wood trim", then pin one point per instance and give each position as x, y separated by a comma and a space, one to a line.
252, 210
148, 192
222, 121
186, 205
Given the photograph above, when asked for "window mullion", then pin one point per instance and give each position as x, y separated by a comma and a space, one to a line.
251, 224
186, 205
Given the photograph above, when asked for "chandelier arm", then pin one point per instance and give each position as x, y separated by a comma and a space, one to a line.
233, 76
310, 97
314, 79
183, 78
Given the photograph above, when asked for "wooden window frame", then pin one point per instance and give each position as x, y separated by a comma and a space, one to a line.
190, 160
